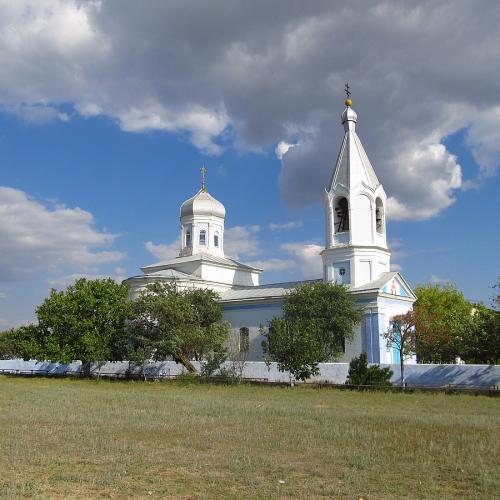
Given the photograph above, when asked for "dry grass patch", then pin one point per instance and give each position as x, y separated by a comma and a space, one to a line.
80, 439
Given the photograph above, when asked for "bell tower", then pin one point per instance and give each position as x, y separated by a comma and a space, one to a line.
356, 249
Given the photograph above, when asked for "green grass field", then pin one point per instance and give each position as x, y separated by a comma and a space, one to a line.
86, 439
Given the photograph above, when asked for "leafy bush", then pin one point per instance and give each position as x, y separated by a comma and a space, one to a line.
362, 374
186, 378
212, 363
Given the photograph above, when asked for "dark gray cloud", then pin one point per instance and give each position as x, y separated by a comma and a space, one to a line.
274, 71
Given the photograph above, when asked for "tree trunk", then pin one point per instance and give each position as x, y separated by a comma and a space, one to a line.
85, 369
402, 369
185, 362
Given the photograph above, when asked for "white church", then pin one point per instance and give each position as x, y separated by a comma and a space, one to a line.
355, 254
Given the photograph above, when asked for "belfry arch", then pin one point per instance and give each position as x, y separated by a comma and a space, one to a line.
341, 215
379, 216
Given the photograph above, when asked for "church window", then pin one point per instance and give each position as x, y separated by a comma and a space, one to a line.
216, 239
244, 339
188, 238
341, 215
342, 271
203, 237
379, 215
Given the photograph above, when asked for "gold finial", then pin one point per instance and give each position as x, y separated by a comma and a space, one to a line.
347, 90
203, 171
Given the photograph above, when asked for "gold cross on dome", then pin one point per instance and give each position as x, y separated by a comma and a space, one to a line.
203, 171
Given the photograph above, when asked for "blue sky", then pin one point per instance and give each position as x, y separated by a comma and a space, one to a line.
101, 141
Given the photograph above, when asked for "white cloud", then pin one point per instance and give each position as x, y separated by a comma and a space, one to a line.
242, 241
3, 295
275, 226
396, 267
62, 282
164, 251
239, 242
436, 280
282, 149
34, 238
428, 179
88, 109
38, 113
274, 264
5, 324
484, 139
203, 124
256, 76
307, 257
54, 25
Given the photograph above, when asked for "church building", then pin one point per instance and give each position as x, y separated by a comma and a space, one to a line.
355, 254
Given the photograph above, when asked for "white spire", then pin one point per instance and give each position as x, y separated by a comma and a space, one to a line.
353, 165
349, 118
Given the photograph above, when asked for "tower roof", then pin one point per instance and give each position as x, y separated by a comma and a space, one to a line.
353, 166
203, 203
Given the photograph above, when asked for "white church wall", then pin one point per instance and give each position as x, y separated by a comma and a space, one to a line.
380, 239
364, 271
381, 267
361, 220
236, 277
421, 375
342, 272
246, 278
252, 316
352, 347
365, 263
215, 273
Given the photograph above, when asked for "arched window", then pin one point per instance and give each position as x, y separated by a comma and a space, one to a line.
216, 239
188, 238
341, 215
379, 215
244, 339
203, 237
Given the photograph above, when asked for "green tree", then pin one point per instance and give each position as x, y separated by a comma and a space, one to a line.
84, 322
8, 344
402, 336
182, 324
296, 350
481, 342
362, 374
442, 318
19, 342
317, 320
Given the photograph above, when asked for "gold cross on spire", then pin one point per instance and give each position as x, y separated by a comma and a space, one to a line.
347, 90
203, 171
